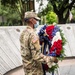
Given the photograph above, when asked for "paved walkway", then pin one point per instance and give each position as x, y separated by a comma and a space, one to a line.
17, 71
67, 67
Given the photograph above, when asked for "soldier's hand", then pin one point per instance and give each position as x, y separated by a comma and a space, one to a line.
50, 59
55, 59
46, 58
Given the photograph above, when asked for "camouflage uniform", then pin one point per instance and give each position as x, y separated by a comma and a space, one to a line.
30, 52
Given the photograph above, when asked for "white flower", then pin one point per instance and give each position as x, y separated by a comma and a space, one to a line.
56, 37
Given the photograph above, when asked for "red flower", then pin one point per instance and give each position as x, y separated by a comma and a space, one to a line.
57, 47
58, 52
49, 30
52, 49
59, 44
46, 67
46, 52
55, 43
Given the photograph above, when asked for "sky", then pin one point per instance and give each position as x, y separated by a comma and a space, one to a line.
37, 5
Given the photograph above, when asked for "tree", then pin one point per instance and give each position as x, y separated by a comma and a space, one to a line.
19, 5
51, 17
62, 8
11, 15
72, 16
44, 13
73, 13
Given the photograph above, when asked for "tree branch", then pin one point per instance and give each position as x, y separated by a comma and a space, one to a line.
67, 14
63, 6
71, 5
54, 7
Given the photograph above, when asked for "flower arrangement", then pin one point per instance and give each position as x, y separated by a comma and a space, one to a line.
54, 42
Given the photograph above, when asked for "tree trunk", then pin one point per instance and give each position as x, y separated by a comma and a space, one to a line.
61, 20
22, 19
23, 23
22, 15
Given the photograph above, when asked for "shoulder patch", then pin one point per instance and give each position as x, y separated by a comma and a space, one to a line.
35, 39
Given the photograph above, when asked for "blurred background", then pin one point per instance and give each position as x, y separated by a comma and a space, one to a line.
50, 11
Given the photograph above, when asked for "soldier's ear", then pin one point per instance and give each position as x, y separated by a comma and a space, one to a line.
32, 20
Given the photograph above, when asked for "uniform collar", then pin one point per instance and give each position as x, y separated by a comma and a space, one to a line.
29, 27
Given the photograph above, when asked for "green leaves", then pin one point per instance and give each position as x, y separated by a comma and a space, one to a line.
63, 38
53, 68
11, 3
12, 15
63, 44
51, 17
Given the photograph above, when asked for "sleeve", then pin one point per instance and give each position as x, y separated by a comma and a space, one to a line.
36, 51
35, 48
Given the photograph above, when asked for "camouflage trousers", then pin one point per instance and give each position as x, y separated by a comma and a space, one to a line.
33, 72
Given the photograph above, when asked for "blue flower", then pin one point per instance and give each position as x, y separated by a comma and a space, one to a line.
41, 32
56, 29
52, 54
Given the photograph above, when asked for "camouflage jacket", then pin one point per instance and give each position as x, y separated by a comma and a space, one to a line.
30, 52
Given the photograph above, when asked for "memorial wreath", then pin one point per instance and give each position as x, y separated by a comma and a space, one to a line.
53, 41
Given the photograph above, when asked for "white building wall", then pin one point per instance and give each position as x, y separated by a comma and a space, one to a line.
10, 57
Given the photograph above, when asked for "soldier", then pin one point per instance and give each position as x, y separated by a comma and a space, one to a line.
30, 48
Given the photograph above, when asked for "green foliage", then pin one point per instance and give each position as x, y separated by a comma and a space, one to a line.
73, 13
63, 38
61, 8
15, 8
12, 16
51, 17
11, 3
45, 10
63, 44
53, 68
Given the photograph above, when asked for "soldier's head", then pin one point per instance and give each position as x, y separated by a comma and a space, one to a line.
31, 19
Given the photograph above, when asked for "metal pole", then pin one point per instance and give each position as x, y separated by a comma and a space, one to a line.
53, 73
